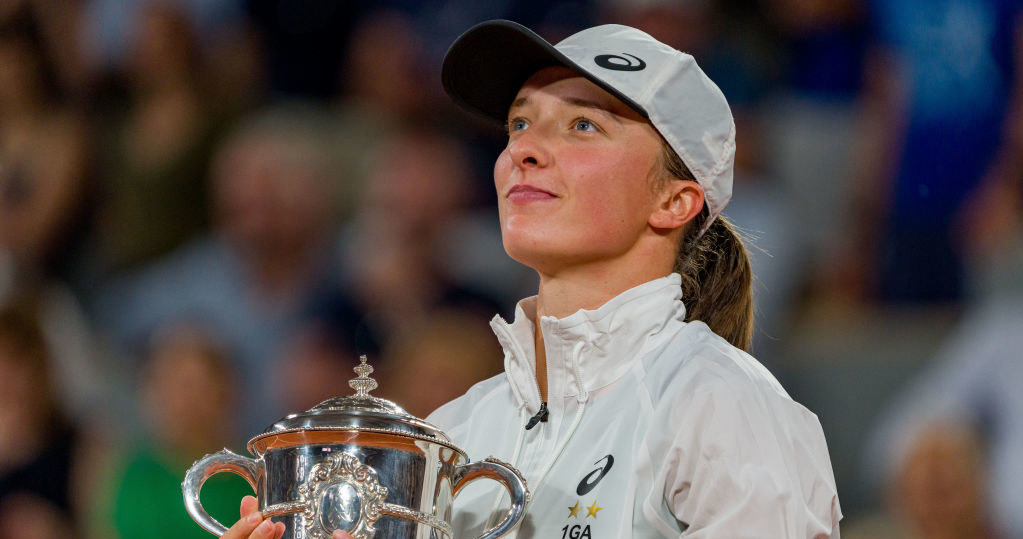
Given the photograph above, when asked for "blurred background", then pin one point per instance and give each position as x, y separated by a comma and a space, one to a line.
201, 197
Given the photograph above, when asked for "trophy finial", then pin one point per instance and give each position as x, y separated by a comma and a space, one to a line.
363, 384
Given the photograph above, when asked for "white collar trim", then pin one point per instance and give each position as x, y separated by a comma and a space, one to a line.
593, 348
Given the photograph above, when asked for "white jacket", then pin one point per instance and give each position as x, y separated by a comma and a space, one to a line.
657, 428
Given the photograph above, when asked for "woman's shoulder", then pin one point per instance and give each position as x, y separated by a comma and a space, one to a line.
696, 362
730, 404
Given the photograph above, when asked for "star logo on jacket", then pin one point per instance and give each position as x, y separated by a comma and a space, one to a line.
574, 510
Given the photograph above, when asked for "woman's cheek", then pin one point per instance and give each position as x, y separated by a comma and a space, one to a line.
502, 171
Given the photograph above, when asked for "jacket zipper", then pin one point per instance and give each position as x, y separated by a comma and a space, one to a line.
543, 413
541, 416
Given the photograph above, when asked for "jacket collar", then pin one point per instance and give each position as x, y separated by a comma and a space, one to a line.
588, 349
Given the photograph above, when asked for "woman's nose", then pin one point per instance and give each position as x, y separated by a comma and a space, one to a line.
528, 150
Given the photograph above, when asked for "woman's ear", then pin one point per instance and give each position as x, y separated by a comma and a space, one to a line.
679, 202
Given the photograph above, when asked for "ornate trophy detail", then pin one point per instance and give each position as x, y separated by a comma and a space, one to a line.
363, 384
342, 494
334, 467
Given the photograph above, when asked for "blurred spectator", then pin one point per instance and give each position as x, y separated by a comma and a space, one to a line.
107, 25
396, 251
234, 72
315, 364
227, 51
78, 372
385, 68
44, 160
433, 361
37, 445
975, 380
158, 137
942, 112
437, 360
59, 27
247, 282
813, 117
187, 391
939, 490
44, 181
383, 84
29, 517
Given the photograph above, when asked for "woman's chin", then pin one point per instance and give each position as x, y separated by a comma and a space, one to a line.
535, 255
546, 259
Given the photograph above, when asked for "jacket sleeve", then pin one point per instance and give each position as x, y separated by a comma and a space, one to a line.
748, 462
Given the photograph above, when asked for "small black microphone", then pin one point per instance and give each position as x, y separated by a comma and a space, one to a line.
540, 416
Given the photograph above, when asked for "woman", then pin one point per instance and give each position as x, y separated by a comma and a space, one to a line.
628, 401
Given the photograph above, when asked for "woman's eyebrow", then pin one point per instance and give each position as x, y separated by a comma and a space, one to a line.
599, 106
575, 101
519, 102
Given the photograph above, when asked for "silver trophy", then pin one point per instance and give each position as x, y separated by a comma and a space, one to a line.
360, 464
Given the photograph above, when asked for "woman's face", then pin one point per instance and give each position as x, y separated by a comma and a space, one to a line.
573, 184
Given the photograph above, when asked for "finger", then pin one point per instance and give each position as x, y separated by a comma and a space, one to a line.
280, 528
249, 505
266, 530
244, 527
338, 534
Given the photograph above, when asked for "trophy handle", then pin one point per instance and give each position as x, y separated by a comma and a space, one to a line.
505, 474
203, 469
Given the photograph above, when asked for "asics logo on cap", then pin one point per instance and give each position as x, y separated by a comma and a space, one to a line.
611, 61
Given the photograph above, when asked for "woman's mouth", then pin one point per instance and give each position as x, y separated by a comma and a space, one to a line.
521, 194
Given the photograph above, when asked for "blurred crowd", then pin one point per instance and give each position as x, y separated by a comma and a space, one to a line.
209, 209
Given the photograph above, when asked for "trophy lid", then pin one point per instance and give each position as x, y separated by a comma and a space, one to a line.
357, 413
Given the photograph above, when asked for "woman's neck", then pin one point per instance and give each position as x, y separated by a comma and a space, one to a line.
568, 292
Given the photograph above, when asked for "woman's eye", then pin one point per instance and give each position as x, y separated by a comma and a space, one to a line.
583, 124
517, 124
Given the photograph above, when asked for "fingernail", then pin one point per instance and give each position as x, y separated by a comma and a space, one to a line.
254, 517
264, 528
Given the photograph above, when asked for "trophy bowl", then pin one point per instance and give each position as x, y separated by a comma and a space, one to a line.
359, 464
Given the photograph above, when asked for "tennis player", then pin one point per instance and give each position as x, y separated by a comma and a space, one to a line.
629, 401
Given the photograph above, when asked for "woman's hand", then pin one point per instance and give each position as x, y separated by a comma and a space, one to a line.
251, 525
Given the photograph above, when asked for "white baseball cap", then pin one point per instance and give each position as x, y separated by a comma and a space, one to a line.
487, 65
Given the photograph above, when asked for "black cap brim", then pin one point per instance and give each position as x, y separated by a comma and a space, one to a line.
486, 66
